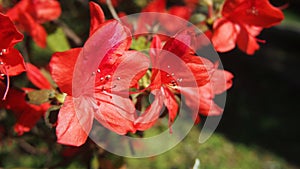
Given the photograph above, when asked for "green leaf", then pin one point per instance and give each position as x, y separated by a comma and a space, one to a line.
40, 96
140, 44
57, 41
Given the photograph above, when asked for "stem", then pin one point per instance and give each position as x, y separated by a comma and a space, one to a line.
112, 10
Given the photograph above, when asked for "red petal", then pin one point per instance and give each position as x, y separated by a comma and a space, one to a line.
224, 35
20, 7
13, 61
101, 51
36, 77
180, 11
29, 116
231, 5
246, 42
257, 12
207, 106
152, 113
62, 67
170, 103
221, 81
36, 31
26, 114
200, 67
133, 65
44, 11
97, 17
155, 6
69, 129
146, 21
8, 33
155, 48
116, 113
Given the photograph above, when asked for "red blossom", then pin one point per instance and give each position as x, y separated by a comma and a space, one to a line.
241, 22
110, 114
146, 22
30, 14
209, 80
26, 114
11, 60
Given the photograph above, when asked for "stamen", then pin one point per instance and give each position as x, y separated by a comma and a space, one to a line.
179, 80
253, 11
107, 77
7, 84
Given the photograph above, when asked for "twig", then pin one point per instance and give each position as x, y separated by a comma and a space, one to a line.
112, 10
69, 32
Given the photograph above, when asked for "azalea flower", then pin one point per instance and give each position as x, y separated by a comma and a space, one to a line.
241, 22
117, 116
30, 14
27, 115
201, 83
146, 22
11, 60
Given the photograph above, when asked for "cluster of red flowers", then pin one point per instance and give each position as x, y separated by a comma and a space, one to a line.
238, 22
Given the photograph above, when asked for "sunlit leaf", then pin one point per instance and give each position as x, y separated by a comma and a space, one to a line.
57, 41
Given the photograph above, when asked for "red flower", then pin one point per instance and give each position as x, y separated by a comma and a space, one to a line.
220, 81
69, 129
11, 61
30, 14
146, 22
241, 22
26, 114
187, 76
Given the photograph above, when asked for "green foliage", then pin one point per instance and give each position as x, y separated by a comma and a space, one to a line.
57, 41
140, 44
217, 153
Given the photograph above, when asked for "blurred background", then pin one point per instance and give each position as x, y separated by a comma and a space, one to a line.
258, 130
